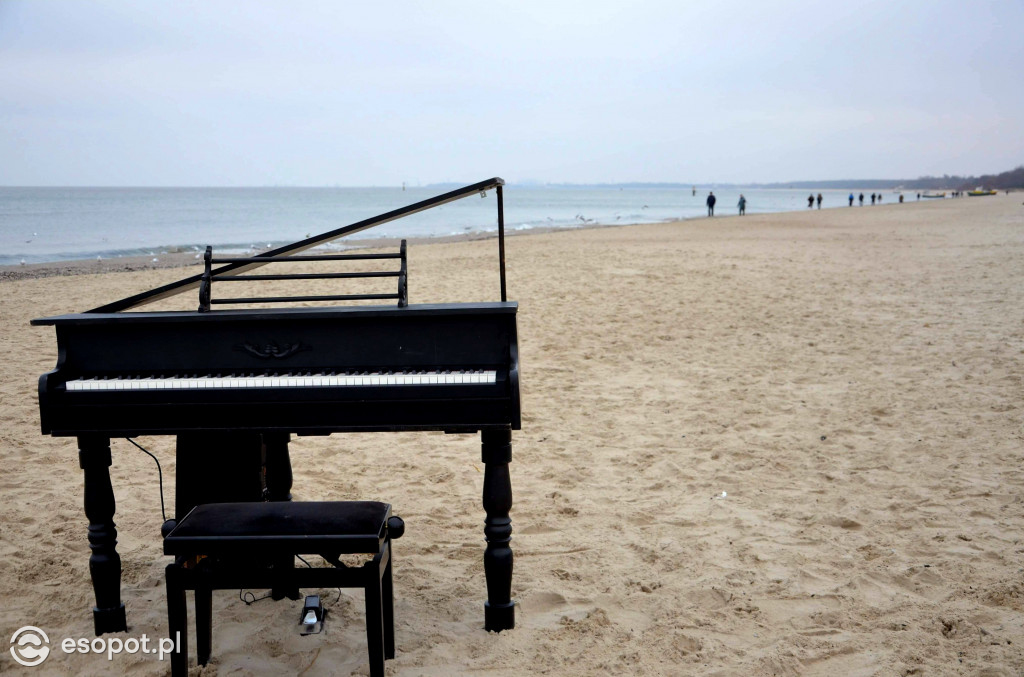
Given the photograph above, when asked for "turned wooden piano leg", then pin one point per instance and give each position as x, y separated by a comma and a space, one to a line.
499, 609
104, 563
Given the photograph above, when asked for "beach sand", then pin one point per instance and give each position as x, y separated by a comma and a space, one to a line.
785, 444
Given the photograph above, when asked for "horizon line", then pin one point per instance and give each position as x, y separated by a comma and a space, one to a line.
527, 183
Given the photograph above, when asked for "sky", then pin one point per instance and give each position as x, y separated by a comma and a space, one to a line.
308, 93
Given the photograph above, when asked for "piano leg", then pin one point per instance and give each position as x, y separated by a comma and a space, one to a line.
278, 479
499, 609
217, 467
104, 563
278, 467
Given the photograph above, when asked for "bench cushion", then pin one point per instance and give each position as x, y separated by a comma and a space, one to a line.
296, 527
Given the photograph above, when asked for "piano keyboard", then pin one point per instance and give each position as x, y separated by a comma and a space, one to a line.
309, 380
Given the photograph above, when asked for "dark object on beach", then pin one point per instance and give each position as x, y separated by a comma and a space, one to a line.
234, 385
711, 204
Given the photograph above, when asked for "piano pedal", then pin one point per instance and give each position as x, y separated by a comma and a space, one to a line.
313, 616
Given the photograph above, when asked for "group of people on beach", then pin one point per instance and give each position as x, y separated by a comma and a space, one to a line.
874, 198
710, 202
811, 201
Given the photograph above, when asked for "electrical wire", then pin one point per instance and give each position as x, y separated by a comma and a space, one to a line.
254, 597
159, 472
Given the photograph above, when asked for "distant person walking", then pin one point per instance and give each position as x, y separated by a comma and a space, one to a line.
711, 203
872, 198
851, 199
742, 204
819, 200
861, 198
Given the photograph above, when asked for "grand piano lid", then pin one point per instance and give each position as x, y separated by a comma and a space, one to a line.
310, 242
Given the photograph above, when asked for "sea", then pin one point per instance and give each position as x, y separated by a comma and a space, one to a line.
43, 224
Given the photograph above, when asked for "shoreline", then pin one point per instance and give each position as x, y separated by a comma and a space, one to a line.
132, 264
184, 259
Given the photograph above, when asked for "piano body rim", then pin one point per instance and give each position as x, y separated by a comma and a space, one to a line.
283, 315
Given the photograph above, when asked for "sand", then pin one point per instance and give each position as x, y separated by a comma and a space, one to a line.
764, 445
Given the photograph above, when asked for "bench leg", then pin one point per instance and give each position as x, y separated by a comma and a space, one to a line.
177, 620
374, 618
388, 607
204, 624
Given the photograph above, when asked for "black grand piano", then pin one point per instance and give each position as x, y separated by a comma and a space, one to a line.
234, 384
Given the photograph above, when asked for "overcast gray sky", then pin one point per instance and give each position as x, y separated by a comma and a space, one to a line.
362, 93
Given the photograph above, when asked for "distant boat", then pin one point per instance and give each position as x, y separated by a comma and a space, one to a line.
980, 191
933, 195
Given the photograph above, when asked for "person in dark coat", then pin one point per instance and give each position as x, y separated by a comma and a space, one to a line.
711, 203
819, 200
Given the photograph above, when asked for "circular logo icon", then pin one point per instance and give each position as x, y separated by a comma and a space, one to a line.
30, 645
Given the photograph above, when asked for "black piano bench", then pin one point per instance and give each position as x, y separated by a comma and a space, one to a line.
222, 546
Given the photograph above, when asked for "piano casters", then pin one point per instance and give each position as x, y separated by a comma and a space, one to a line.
499, 609
104, 562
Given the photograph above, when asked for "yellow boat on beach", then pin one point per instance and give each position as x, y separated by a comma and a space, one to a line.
979, 191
